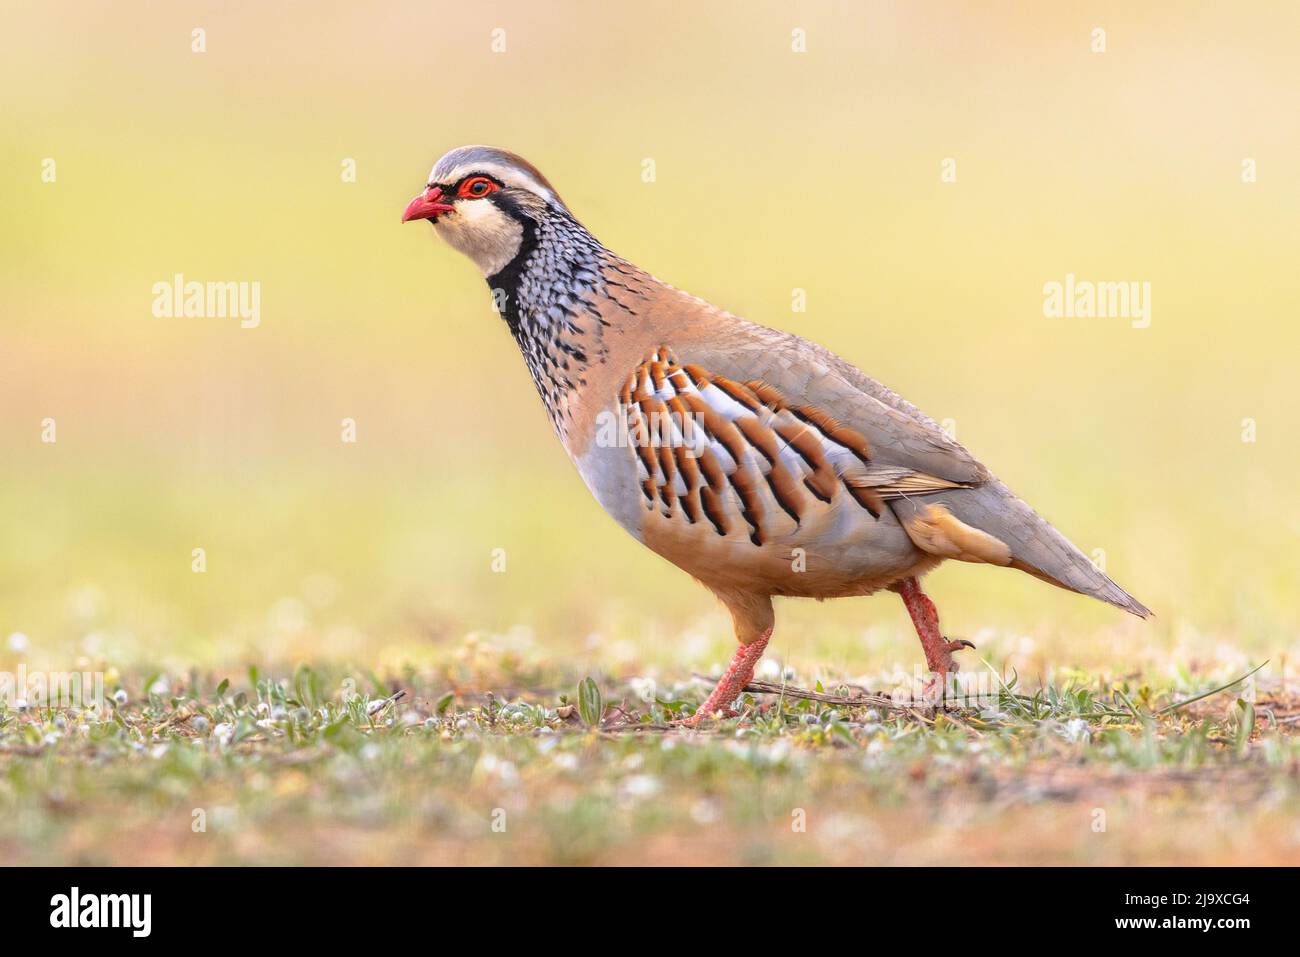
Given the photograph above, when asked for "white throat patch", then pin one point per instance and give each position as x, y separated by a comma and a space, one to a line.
477, 228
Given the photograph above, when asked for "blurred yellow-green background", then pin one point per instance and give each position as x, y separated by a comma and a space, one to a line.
775, 170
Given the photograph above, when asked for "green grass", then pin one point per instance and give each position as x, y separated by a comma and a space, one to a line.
465, 767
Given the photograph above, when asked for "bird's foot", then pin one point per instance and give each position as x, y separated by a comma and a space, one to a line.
940, 686
934, 690
733, 681
939, 654
947, 649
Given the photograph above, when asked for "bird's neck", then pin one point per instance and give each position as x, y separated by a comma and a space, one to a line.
555, 270
548, 295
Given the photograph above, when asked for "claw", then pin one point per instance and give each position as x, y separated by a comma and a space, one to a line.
956, 644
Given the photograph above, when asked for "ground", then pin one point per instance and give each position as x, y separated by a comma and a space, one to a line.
491, 760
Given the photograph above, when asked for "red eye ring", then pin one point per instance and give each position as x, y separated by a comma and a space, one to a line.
476, 187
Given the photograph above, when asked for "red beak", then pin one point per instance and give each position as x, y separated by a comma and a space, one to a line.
428, 205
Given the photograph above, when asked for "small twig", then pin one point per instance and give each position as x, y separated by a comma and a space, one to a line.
638, 726
609, 709
375, 707
863, 701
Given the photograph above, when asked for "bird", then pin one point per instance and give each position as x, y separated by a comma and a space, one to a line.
758, 462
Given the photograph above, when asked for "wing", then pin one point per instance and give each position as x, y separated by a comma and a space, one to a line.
743, 453
787, 425
899, 433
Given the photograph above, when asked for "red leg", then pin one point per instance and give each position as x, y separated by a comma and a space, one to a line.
732, 682
938, 649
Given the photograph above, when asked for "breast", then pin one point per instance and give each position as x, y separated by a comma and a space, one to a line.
609, 472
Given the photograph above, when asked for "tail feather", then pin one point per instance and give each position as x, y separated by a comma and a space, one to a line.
1036, 547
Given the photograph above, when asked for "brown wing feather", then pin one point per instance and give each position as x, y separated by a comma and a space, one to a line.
731, 451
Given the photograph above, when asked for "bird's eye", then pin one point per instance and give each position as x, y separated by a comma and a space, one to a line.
477, 187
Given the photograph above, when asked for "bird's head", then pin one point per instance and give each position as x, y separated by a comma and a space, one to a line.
483, 200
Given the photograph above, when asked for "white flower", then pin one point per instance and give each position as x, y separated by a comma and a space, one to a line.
643, 688
18, 642
503, 771
704, 811
1076, 730
778, 752
640, 786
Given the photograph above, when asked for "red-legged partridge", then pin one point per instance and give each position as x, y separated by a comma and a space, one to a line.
754, 460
